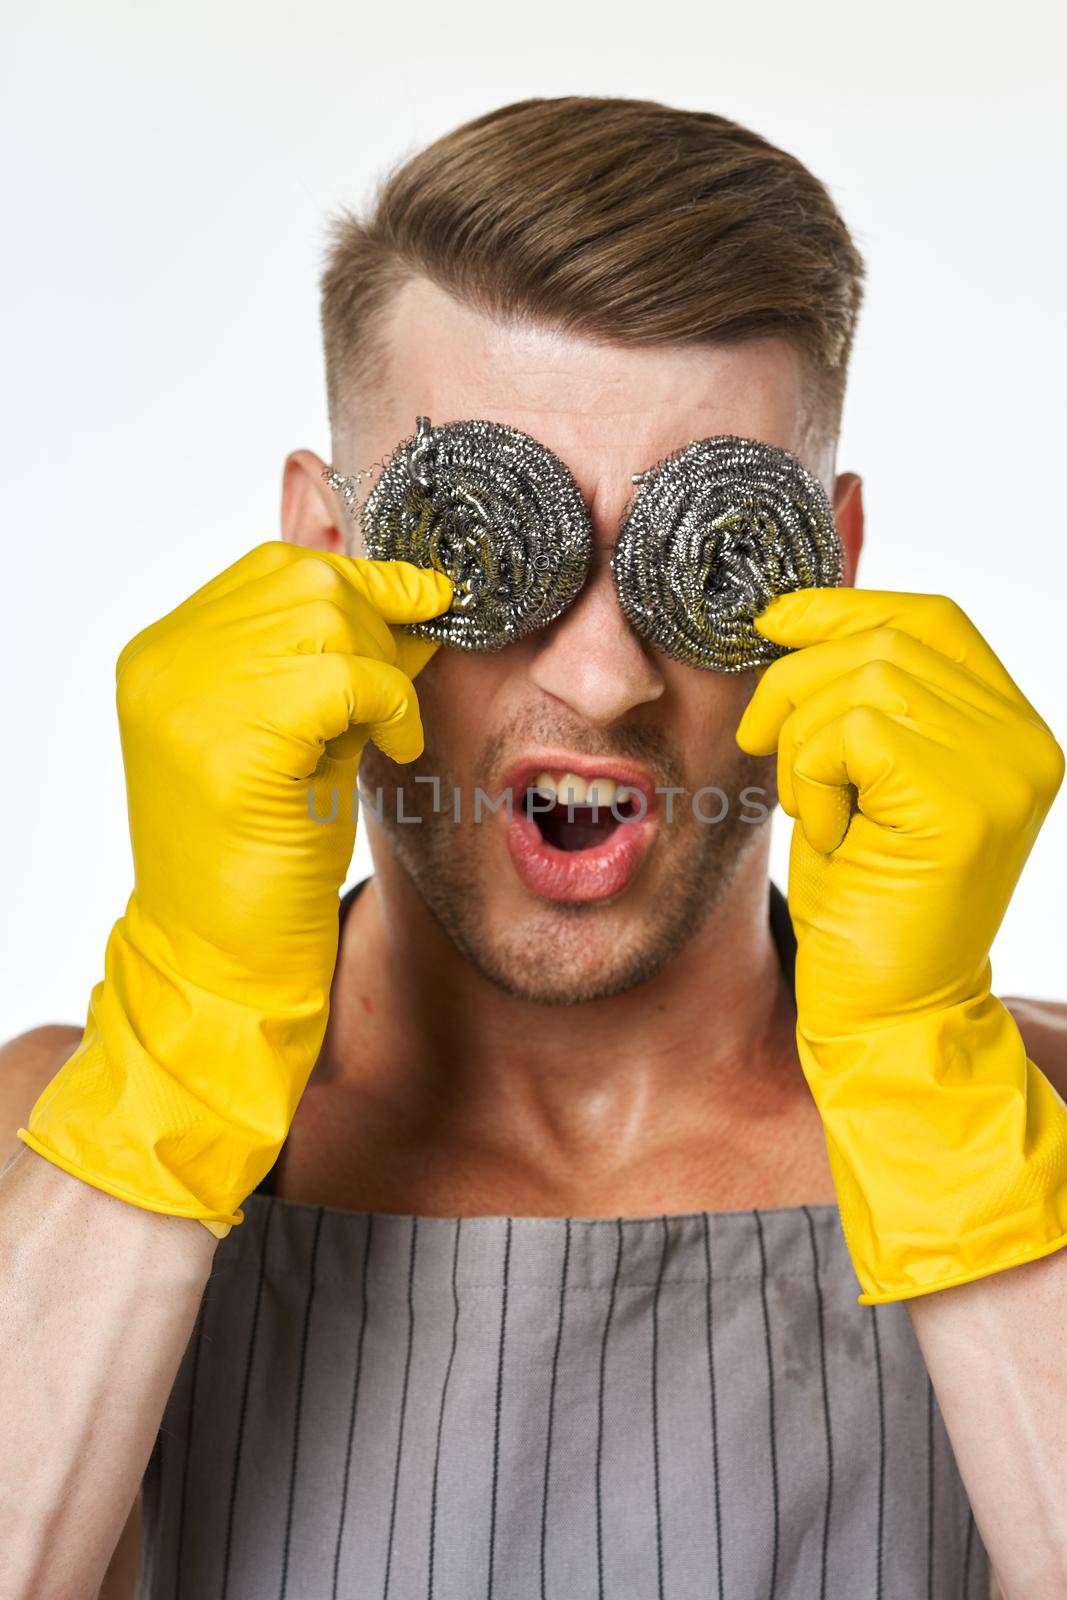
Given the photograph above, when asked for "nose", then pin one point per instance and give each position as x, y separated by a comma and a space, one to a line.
591, 660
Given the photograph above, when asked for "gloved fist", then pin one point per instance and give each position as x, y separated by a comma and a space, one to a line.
243, 714
919, 776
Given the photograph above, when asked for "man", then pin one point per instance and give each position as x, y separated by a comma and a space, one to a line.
543, 1291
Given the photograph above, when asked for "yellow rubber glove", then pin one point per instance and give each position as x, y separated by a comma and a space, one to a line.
919, 776
240, 712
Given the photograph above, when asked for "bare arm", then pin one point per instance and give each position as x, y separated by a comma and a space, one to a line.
97, 1302
996, 1351
100, 1296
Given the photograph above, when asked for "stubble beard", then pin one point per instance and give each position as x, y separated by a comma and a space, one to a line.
555, 956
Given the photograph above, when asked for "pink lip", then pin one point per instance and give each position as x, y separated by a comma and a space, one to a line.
576, 875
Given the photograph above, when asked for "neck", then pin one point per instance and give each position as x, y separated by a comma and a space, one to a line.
702, 1047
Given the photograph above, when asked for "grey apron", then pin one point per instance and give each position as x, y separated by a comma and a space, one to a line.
686, 1407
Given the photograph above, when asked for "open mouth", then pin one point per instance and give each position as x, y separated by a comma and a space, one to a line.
573, 813
578, 837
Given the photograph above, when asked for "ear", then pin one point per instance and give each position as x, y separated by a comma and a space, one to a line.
848, 516
311, 513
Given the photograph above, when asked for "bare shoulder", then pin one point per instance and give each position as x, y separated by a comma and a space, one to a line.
26, 1065
1043, 1025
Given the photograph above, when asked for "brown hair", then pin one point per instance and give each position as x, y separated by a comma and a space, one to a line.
622, 220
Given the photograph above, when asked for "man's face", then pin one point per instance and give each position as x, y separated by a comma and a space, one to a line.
561, 912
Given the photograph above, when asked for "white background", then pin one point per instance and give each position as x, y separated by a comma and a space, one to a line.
169, 169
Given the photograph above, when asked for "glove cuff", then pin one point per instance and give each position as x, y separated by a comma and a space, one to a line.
948, 1148
175, 1099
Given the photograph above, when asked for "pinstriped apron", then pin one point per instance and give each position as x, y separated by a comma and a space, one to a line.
687, 1407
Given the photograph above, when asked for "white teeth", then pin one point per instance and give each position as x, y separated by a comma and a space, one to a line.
572, 789
568, 787
600, 792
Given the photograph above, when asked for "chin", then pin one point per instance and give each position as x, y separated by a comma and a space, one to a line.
558, 959
556, 953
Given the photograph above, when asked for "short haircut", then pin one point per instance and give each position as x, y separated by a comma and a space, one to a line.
619, 220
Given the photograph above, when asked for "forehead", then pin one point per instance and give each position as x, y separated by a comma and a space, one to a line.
608, 410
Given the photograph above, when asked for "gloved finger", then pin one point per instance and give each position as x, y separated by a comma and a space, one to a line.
413, 653
396, 725
269, 556
811, 616
313, 700
265, 579
791, 680
311, 588
398, 590
894, 773
253, 564
271, 619
375, 593
888, 688
825, 813
311, 627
